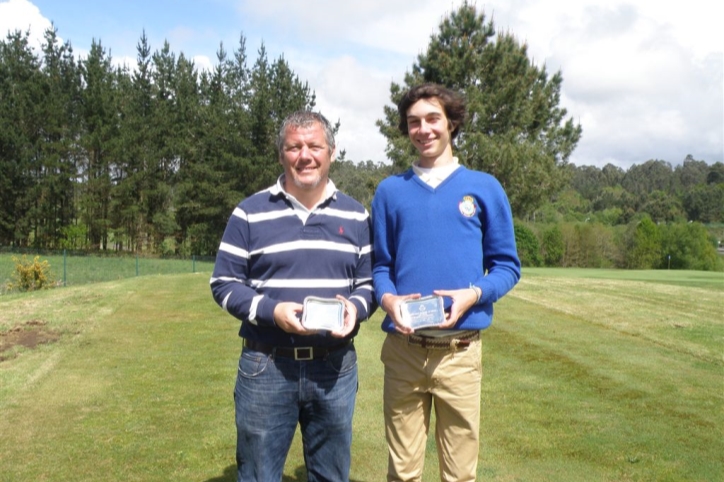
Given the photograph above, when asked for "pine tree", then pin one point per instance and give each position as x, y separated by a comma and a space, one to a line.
515, 128
20, 125
98, 144
55, 190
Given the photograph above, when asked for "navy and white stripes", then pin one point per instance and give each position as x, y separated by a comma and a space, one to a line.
272, 252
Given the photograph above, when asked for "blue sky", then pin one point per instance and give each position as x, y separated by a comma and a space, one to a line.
643, 77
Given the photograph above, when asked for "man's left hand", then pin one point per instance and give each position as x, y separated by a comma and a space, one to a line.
462, 301
350, 318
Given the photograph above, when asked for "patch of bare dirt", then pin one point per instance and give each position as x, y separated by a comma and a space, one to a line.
29, 335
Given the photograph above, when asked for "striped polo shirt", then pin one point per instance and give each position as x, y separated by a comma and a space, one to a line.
275, 250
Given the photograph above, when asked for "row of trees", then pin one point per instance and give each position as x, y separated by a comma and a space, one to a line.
153, 158
640, 244
99, 157
590, 228
692, 191
149, 159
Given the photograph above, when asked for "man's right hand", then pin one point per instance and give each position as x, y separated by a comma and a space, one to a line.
287, 317
391, 304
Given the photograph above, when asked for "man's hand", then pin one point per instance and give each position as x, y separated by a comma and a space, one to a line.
350, 318
391, 304
287, 317
462, 301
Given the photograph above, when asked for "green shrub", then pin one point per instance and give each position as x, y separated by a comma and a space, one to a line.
31, 275
527, 244
552, 246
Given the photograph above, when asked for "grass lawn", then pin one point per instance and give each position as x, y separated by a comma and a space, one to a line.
589, 375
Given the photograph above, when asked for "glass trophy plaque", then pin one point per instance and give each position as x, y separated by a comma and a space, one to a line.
323, 314
424, 312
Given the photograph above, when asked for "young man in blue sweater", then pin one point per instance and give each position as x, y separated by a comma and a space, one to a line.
439, 229
298, 238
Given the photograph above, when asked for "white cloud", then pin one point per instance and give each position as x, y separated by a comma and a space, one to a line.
23, 16
202, 62
351, 93
643, 77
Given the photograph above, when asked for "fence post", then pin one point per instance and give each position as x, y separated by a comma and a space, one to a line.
65, 268
136, 264
193, 263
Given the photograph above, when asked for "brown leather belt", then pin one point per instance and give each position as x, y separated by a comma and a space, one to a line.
451, 342
301, 353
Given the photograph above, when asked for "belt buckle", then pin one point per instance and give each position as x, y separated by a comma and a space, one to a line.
300, 356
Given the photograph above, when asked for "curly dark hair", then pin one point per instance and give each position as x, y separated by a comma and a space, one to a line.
451, 101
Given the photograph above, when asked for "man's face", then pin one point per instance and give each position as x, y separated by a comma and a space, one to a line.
428, 128
306, 158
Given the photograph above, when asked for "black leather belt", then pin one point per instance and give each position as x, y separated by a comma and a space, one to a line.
301, 353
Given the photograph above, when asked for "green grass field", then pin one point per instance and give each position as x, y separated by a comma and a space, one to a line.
589, 375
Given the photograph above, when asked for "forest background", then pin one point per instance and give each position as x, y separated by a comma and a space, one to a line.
152, 159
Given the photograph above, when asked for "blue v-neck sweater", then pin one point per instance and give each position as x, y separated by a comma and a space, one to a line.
449, 237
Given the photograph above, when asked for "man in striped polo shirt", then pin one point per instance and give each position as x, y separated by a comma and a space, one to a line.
298, 238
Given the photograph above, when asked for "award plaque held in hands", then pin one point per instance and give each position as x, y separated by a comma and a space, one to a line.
424, 312
323, 314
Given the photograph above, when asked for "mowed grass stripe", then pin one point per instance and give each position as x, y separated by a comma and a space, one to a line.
142, 395
681, 318
616, 405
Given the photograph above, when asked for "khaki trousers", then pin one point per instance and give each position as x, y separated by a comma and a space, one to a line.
417, 379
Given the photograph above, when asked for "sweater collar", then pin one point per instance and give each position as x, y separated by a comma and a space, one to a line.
433, 176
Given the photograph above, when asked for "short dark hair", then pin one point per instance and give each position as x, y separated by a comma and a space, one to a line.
451, 101
305, 118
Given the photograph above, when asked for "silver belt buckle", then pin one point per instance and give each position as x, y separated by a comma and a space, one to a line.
299, 353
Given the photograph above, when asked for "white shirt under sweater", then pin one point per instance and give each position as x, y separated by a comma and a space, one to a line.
433, 176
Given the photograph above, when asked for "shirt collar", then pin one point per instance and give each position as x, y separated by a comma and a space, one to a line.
330, 192
435, 175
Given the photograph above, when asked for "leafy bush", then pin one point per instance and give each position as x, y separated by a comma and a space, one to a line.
552, 246
31, 275
689, 246
527, 244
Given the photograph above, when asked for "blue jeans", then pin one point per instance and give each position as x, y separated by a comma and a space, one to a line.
273, 394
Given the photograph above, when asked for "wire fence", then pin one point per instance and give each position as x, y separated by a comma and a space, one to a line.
77, 268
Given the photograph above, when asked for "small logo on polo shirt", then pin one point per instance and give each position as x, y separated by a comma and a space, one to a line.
341, 230
467, 206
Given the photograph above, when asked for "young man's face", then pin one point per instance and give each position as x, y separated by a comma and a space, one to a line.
428, 128
306, 158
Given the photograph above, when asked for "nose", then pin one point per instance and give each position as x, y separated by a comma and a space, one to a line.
424, 126
305, 152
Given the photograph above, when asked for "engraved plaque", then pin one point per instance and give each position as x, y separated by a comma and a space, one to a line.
323, 314
424, 312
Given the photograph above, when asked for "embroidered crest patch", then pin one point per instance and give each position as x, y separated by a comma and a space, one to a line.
467, 206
